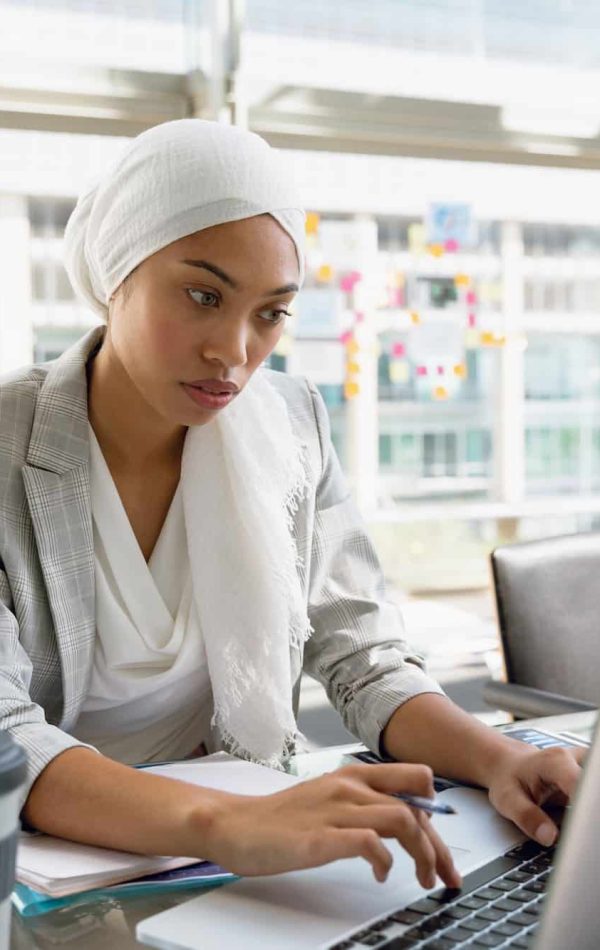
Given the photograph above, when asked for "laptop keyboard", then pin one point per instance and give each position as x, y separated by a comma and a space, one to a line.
499, 905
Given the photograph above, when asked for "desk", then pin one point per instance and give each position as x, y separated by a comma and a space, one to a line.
111, 924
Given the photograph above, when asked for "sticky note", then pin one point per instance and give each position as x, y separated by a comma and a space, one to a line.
325, 273
312, 222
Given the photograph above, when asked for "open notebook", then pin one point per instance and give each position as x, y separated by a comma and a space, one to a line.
58, 868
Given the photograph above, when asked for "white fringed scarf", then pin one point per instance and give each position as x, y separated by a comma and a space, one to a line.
242, 478
243, 474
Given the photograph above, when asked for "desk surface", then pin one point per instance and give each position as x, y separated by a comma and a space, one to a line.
111, 923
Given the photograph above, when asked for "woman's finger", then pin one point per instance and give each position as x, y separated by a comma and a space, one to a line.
393, 777
333, 844
397, 820
528, 816
445, 866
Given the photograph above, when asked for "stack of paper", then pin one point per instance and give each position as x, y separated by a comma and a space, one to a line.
57, 868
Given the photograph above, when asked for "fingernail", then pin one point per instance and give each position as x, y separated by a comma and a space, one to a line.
546, 834
430, 880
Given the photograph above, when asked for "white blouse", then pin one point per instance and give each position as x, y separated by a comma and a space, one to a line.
149, 696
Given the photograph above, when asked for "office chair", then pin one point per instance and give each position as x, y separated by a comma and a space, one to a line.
548, 606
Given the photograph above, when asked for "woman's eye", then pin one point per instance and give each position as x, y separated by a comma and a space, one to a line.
204, 297
274, 316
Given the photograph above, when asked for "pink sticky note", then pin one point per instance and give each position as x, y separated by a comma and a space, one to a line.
360, 317
440, 370
471, 297
346, 337
421, 371
398, 349
451, 245
348, 281
472, 319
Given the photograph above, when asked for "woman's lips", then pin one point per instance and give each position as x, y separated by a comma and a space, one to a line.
209, 398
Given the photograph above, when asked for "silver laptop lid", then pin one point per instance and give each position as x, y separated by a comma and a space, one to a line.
572, 917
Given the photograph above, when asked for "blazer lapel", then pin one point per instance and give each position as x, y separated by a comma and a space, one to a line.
57, 485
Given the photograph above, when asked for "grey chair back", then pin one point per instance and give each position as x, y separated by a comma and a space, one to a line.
548, 603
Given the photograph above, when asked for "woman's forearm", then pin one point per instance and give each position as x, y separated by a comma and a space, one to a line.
89, 798
430, 728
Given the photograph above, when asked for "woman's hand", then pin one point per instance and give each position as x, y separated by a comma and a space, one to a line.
526, 779
343, 814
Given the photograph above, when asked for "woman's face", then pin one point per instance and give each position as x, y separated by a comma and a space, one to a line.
196, 319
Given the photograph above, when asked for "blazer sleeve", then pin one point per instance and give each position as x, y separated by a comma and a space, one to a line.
356, 650
19, 715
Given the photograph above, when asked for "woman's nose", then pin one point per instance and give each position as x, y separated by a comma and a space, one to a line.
227, 344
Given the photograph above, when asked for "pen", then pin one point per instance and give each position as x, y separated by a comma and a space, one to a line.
427, 804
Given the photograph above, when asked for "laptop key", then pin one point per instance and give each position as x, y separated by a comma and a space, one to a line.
524, 919
372, 940
344, 945
399, 943
505, 884
489, 940
522, 896
536, 887
473, 903
519, 876
491, 913
405, 917
507, 904
438, 943
475, 923
489, 893
456, 912
424, 906
506, 929
457, 935
522, 943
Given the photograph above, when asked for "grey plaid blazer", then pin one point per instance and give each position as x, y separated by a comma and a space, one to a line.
47, 611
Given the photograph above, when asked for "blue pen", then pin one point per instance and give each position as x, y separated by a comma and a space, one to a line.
427, 804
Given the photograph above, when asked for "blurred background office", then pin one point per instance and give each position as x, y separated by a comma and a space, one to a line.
449, 154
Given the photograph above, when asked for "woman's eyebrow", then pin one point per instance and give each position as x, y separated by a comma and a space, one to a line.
206, 265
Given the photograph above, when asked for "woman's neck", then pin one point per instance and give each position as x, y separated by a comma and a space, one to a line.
131, 434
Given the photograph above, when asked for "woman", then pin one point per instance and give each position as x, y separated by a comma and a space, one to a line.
176, 544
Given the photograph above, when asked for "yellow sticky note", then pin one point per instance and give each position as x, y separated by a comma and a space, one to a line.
352, 347
440, 392
351, 390
436, 250
460, 370
462, 280
325, 273
352, 367
312, 222
414, 317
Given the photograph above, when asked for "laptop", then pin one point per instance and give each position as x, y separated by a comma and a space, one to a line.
515, 893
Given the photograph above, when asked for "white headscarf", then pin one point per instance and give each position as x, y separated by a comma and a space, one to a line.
244, 474
174, 179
